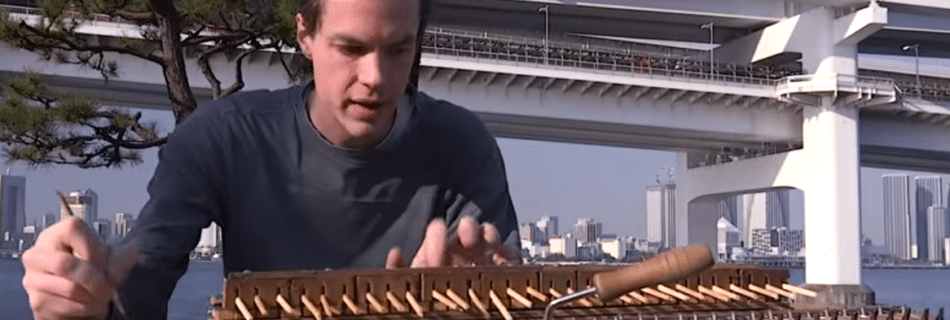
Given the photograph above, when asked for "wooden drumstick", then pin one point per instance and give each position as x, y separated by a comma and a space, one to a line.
536, 294
243, 309
395, 302
518, 297
478, 302
355, 309
458, 299
414, 303
501, 306
375, 303
286, 306
260, 305
311, 307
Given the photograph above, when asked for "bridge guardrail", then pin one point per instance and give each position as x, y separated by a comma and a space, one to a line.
612, 68
832, 82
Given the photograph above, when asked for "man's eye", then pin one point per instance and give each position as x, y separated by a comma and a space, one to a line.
352, 50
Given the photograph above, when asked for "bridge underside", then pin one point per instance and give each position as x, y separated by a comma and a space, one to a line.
884, 141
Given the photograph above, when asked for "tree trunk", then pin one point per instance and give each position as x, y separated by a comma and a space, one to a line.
176, 77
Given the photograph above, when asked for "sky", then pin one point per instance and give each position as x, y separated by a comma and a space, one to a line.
606, 184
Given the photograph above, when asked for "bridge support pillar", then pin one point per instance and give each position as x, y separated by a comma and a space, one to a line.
832, 206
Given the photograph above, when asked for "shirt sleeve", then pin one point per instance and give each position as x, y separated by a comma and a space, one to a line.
183, 199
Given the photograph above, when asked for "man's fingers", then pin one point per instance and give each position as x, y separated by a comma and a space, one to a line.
75, 236
44, 264
432, 252
495, 245
395, 259
470, 235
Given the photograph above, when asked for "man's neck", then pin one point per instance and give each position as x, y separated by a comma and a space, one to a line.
335, 134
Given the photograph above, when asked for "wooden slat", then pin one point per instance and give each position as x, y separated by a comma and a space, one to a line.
763, 292
350, 305
640, 297
695, 294
518, 297
444, 300
243, 309
717, 296
395, 302
501, 306
311, 307
458, 299
286, 306
260, 305
745, 292
781, 292
730, 294
536, 294
658, 294
414, 304
375, 303
799, 290
478, 302
677, 294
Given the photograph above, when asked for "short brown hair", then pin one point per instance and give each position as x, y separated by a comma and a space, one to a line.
312, 10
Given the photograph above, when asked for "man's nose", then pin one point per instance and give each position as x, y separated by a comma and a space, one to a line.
371, 71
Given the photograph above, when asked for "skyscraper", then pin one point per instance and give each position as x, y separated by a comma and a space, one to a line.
729, 209
765, 210
123, 224
936, 231
929, 193
12, 207
84, 204
897, 218
587, 230
661, 215
548, 226
49, 219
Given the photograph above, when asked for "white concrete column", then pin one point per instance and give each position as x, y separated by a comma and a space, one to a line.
832, 215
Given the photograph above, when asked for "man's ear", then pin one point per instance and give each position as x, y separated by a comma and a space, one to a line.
304, 37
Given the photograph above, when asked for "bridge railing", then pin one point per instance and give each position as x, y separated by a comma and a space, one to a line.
833, 82
926, 90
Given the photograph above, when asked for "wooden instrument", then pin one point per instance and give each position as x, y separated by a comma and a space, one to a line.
520, 292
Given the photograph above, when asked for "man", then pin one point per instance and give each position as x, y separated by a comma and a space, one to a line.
350, 171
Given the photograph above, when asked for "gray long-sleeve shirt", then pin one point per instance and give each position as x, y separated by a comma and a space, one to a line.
286, 199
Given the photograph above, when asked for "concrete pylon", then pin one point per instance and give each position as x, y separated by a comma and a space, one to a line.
826, 169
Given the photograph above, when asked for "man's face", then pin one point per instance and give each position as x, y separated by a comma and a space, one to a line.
362, 53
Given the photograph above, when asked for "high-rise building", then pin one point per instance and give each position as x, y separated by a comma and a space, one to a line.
897, 217
563, 244
929, 192
727, 238
615, 247
548, 226
210, 241
123, 224
937, 231
729, 209
530, 232
765, 210
587, 231
661, 215
103, 228
49, 219
84, 204
12, 207
787, 241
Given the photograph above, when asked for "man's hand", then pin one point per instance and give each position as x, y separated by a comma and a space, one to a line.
472, 245
71, 274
